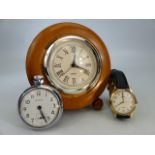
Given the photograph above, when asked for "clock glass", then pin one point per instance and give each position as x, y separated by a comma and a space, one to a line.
72, 64
39, 107
123, 101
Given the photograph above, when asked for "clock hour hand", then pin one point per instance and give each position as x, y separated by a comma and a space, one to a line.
42, 114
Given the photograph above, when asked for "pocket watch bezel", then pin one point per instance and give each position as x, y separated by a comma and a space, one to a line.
48, 54
51, 90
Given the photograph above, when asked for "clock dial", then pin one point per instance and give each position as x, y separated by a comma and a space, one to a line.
72, 65
39, 108
123, 101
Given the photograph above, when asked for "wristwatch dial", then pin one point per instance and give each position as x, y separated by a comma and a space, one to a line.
39, 108
72, 64
123, 101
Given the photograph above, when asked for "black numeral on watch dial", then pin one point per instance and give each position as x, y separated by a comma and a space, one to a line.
38, 93
27, 115
24, 109
27, 101
52, 112
32, 96
32, 119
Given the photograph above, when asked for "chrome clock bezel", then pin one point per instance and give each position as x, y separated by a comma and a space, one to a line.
55, 84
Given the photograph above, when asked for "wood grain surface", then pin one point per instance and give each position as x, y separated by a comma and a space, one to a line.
39, 46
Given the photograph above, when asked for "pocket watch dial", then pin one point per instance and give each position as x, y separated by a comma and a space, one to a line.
39, 108
72, 64
123, 101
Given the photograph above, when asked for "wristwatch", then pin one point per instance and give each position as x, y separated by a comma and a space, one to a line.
122, 99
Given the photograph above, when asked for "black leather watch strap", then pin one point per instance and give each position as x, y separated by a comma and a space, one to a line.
122, 117
118, 78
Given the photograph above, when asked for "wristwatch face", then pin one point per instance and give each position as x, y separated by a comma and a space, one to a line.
123, 102
72, 64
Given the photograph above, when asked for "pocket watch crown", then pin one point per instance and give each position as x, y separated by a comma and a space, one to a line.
38, 80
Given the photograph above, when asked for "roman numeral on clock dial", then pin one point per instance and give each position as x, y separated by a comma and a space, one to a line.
59, 57
60, 73
65, 51
57, 65
66, 79
86, 72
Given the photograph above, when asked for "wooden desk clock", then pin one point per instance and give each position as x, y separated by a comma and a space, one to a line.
73, 59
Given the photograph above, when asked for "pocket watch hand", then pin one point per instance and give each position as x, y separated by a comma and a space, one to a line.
42, 114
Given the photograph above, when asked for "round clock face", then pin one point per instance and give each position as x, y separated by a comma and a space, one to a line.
39, 108
123, 101
72, 64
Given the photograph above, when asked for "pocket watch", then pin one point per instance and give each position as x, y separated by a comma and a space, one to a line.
122, 99
40, 106
72, 58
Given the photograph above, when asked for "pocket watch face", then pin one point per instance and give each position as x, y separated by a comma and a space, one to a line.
123, 101
39, 107
72, 64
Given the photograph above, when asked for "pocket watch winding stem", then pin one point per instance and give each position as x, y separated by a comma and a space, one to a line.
38, 80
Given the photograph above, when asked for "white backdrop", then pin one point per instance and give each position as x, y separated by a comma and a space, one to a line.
131, 44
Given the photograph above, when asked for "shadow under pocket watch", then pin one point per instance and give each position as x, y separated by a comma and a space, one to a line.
40, 106
122, 100
73, 59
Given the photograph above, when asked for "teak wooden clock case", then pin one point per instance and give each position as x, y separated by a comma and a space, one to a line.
37, 51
